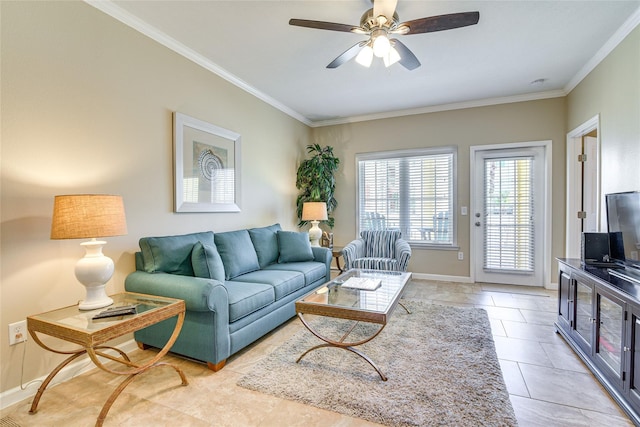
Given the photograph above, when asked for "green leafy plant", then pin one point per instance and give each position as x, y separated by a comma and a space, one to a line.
316, 179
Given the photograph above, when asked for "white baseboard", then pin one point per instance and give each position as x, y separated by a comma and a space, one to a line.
441, 278
17, 394
463, 279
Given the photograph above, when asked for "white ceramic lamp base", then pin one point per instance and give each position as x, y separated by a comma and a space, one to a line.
94, 271
315, 233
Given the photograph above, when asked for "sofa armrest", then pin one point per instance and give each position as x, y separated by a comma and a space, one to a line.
199, 294
323, 255
353, 251
403, 254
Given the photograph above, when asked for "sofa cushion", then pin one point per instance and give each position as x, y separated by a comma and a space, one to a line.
171, 254
294, 247
312, 270
284, 282
265, 242
237, 253
206, 262
245, 298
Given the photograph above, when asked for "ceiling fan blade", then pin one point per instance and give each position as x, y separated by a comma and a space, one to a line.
384, 7
321, 25
441, 22
407, 59
347, 55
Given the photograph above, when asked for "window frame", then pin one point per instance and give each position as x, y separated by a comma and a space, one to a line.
410, 153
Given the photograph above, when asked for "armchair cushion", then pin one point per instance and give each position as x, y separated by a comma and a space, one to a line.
375, 264
380, 243
237, 253
294, 247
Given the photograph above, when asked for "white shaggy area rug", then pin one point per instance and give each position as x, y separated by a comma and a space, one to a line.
440, 362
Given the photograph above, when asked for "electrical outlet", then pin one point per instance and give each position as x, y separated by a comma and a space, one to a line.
460, 256
17, 332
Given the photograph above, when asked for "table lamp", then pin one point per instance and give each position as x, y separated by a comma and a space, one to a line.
88, 216
314, 212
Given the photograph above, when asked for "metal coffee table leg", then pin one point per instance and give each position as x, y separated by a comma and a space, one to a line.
342, 344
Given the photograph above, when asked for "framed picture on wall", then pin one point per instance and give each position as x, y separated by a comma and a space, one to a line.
206, 166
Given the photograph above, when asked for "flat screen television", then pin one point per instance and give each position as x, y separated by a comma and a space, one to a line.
623, 223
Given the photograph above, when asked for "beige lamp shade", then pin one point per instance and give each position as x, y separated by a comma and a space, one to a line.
314, 211
84, 216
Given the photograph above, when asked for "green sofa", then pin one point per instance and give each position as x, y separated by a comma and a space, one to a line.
237, 285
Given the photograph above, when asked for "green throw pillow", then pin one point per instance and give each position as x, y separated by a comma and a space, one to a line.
171, 254
265, 242
294, 247
237, 253
206, 262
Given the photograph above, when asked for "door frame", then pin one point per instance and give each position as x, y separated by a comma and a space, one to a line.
547, 197
574, 183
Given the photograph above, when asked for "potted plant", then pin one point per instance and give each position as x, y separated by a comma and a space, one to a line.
316, 179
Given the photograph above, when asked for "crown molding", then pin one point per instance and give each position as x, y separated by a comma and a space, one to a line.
137, 24
153, 33
629, 25
444, 107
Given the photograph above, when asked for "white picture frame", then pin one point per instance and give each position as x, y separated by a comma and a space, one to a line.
206, 166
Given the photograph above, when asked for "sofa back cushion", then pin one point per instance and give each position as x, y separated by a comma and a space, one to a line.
171, 254
206, 262
237, 253
380, 243
294, 247
265, 242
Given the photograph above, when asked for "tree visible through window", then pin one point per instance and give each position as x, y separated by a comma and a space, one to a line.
412, 191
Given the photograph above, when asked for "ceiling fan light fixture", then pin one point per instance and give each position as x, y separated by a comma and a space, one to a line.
381, 44
365, 57
401, 30
391, 58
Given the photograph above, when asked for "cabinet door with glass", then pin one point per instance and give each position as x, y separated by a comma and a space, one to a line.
632, 353
583, 330
565, 303
610, 335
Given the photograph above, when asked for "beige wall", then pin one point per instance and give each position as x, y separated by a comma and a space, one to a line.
507, 123
87, 107
612, 90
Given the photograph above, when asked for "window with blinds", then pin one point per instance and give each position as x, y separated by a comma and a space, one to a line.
412, 191
508, 204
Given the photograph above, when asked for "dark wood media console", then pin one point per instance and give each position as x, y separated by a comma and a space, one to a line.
599, 316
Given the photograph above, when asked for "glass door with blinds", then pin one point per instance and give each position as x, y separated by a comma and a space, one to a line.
508, 216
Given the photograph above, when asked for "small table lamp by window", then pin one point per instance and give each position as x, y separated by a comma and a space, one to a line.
314, 212
87, 216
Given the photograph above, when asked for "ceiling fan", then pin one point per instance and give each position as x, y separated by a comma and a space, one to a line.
381, 22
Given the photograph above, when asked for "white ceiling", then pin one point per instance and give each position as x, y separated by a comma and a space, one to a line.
515, 43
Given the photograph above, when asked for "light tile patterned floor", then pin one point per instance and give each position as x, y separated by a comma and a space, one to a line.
548, 384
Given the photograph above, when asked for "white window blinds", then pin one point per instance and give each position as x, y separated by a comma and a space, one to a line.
508, 200
411, 191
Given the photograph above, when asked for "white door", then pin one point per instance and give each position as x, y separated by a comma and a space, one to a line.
583, 185
590, 184
508, 215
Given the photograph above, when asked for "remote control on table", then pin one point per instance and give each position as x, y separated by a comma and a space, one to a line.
116, 311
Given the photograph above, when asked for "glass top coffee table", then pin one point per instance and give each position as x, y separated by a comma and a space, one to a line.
334, 299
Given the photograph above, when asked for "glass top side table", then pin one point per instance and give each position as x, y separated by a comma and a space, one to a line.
76, 326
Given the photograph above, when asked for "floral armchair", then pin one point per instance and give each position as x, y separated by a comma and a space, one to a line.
378, 250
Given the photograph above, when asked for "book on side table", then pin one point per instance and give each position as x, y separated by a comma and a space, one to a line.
362, 283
